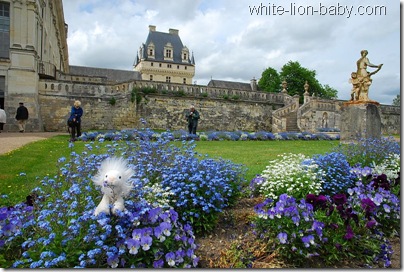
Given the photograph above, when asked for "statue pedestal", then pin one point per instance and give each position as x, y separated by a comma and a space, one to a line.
360, 119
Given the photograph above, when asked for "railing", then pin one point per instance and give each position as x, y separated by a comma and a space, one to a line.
46, 70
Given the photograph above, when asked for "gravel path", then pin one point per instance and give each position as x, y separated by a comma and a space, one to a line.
13, 140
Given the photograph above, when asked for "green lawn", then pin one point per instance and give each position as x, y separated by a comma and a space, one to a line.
255, 155
39, 159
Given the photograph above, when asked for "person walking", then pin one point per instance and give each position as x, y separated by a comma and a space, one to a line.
75, 120
22, 117
192, 117
3, 118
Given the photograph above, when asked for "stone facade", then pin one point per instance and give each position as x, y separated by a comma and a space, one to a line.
38, 48
164, 108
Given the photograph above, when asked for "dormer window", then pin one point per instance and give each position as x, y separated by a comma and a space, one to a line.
150, 50
168, 52
185, 54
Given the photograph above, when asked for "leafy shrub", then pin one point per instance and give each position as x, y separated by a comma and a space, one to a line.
112, 101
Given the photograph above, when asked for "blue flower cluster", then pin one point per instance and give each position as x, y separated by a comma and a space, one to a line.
181, 135
199, 187
291, 224
338, 177
61, 230
368, 151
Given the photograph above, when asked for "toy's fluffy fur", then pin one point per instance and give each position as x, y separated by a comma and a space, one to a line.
113, 177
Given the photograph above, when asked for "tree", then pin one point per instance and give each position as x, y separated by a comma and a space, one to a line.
270, 81
397, 101
296, 76
329, 92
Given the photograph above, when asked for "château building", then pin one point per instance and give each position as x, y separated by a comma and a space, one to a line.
164, 58
33, 45
35, 70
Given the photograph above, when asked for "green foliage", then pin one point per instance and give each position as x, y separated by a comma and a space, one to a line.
148, 90
270, 81
112, 101
329, 92
204, 94
180, 93
135, 95
296, 76
397, 101
235, 97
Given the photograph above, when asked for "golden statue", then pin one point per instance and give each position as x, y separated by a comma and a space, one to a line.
361, 80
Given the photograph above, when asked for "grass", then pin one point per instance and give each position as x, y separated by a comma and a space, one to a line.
39, 159
255, 155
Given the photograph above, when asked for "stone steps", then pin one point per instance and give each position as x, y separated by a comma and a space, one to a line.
291, 122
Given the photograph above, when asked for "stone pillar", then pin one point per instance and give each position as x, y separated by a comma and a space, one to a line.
306, 95
360, 119
253, 84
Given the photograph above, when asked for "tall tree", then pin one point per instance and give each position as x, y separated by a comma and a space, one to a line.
329, 92
270, 81
397, 101
296, 76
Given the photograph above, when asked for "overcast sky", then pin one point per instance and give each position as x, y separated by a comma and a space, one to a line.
233, 41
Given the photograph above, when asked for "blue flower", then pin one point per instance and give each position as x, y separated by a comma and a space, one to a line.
170, 259
283, 237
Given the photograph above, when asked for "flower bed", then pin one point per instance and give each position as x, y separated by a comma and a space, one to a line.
180, 135
335, 210
346, 212
176, 193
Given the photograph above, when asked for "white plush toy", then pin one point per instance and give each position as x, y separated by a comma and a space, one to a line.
113, 177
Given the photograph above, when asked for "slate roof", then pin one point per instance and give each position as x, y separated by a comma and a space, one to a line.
160, 39
110, 74
229, 85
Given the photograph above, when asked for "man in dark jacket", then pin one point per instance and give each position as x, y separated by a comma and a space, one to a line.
22, 117
192, 117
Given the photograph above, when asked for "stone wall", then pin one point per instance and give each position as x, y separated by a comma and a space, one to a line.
391, 119
165, 107
104, 107
168, 112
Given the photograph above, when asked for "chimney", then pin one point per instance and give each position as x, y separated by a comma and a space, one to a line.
253, 84
152, 28
173, 31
